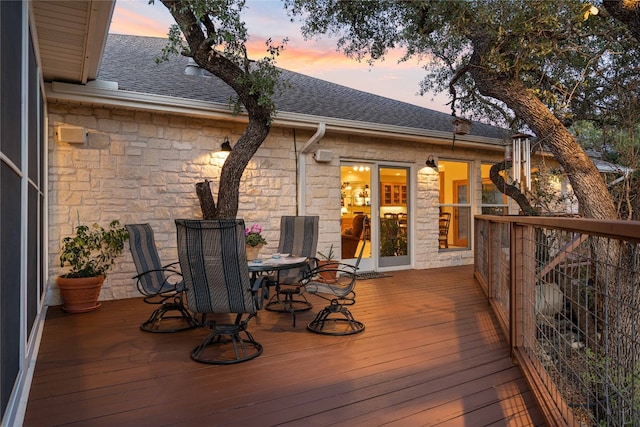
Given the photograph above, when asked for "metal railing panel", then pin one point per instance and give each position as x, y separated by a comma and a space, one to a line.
572, 313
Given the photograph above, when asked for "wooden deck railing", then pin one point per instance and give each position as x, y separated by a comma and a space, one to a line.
566, 292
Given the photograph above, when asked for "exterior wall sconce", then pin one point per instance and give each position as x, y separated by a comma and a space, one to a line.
431, 163
226, 145
225, 148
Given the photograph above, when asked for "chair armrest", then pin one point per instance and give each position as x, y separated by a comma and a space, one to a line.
340, 268
168, 286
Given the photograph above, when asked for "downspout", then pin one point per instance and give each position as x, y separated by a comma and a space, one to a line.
302, 167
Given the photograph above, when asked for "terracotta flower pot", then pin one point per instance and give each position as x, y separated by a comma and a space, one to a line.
80, 295
253, 252
328, 276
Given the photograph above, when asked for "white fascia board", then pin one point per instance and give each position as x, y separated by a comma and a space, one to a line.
100, 14
384, 130
98, 95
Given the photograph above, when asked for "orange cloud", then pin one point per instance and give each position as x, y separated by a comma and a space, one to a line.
133, 22
316, 58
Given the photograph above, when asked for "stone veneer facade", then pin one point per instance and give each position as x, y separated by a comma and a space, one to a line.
142, 167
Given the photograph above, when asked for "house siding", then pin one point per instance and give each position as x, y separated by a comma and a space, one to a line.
142, 167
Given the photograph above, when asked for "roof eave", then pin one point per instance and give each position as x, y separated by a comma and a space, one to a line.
98, 30
64, 92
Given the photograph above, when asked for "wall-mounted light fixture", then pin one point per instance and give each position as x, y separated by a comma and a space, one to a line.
431, 163
226, 145
225, 148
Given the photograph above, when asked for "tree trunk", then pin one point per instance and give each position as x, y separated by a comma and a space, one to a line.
207, 204
591, 191
234, 166
205, 55
627, 12
593, 196
510, 190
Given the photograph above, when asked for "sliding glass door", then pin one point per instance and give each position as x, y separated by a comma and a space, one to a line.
380, 193
393, 216
356, 212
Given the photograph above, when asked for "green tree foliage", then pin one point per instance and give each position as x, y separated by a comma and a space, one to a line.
539, 64
213, 33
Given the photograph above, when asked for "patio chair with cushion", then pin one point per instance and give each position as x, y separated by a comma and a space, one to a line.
298, 237
336, 284
214, 266
160, 284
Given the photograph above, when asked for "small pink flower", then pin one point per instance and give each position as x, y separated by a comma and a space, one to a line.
253, 236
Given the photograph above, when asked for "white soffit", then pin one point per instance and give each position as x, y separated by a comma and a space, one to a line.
71, 36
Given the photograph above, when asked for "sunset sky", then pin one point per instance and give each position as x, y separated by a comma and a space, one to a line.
317, 58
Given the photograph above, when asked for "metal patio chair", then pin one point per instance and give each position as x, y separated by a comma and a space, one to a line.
214, 266
160, 284
335, 318
298, 237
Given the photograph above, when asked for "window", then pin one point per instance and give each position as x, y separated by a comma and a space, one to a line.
494, 202
455, 200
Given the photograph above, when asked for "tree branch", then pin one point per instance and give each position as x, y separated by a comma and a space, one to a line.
207, 204
510, 190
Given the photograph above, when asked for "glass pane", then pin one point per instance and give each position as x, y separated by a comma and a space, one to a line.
10, 83
491, 195
355, 206
455, 205
494, 210
394, 220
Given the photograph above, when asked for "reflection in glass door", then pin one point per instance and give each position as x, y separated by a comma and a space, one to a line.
455, 202
393, 219
355, 206
461, 214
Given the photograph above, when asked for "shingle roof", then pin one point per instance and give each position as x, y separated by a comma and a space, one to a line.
130, 61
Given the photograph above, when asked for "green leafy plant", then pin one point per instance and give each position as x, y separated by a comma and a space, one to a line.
329, 256
91, 251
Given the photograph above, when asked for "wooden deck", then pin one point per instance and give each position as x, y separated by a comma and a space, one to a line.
431, 354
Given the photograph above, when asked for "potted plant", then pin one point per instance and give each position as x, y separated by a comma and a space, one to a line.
89, 253
328, 263
254, 242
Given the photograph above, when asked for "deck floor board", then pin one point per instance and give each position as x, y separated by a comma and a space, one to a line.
431, 354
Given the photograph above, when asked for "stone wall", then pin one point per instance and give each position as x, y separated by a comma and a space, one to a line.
142, 167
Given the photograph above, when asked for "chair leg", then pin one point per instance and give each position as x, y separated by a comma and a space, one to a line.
343, 325
225, 345
181, 321
289, 304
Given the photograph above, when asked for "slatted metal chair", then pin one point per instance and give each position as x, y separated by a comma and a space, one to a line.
298, 237
336, 284
214, 266
160, 284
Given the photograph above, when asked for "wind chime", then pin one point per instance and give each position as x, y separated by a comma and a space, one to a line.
521, 158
